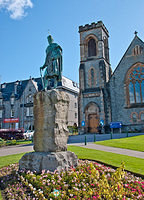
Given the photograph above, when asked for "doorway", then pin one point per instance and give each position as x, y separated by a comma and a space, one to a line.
93, 123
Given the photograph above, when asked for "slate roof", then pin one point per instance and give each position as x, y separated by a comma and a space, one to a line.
7, 89
135, 41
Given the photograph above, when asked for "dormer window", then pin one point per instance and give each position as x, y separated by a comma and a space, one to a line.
3, 85
137, 50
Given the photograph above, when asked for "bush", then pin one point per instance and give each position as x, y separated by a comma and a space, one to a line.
73, 129
2, 142
11, 142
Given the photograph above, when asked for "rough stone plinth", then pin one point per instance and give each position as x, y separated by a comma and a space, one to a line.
50, 121
38, 161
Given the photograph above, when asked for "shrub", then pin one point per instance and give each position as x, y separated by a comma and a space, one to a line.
2, 142
11, 142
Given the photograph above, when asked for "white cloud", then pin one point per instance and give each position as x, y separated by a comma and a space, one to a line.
16, 8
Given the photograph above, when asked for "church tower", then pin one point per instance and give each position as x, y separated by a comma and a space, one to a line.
94, 74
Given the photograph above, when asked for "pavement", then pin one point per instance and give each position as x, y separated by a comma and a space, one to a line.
15, 149
10, 150
137, 154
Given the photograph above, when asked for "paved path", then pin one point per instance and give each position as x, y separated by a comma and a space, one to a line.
29, 147
127, 152
9, 150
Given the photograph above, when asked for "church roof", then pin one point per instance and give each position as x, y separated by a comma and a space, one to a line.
135, 41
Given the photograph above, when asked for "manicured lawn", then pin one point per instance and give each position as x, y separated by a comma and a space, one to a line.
131, 163
14, 142
0, 195
133, 143
23, 142
11, 159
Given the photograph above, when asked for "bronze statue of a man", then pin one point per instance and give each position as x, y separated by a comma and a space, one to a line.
53, 65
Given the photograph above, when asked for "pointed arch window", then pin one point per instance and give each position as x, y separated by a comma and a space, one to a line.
91, 47
142, 117
135, 84
91, 77
134, 117
131, 92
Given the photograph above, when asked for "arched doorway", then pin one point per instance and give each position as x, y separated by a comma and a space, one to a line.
92, 117
93, 123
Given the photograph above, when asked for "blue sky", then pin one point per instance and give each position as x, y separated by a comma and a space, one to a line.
24, 26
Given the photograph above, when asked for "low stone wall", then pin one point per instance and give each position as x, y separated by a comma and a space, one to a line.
99, 137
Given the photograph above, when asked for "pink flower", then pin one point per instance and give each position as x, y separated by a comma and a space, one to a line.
94, 197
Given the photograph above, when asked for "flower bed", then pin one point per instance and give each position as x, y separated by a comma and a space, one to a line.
90, 180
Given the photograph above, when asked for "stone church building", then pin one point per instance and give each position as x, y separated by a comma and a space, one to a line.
107, 96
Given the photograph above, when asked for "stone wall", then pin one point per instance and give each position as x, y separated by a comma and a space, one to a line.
119, 109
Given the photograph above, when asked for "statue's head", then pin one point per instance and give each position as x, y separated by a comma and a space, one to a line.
50, 39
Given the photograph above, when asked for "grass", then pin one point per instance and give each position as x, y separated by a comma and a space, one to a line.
0, 195
133, 143
132, 164
23, 142
10, 159
14, 142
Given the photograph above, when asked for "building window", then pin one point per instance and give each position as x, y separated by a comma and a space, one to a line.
91, 77
29, 99
29, 111
137, 50
135, 84
0, 125
75, 105
12, 100
142, 117
0, 114
3, 85
75, 115
106, 49
1, 102
91, 47
134, 117
12, 112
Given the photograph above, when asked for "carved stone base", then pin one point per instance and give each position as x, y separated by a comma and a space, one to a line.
38, 161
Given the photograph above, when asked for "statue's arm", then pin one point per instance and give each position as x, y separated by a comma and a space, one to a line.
60, 48
43, 67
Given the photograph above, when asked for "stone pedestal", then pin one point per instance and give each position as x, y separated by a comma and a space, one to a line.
38, 161
51, 134
50, 121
